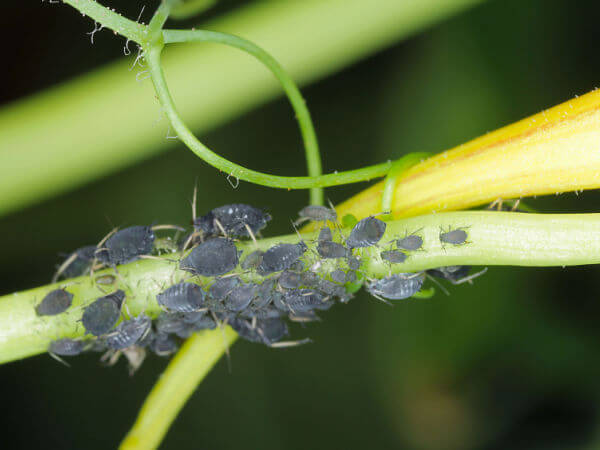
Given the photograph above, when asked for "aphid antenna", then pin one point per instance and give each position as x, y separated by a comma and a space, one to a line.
64, 266
383, 300
167, 227
287, 344
59, 359
220, 226
300, 319
469, 278
437, 283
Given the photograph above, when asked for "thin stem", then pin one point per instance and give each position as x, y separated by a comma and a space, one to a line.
313, 158
183, 132
110, 19
188, 368
398, 167
158, 20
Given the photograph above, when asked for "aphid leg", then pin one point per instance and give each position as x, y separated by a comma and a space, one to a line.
469, 278
59, 359
194, 201
381, 299
443, 289
64, 266
251, 234
516, 205
167, 227
220, 226
496, 204
286, 344
158, 258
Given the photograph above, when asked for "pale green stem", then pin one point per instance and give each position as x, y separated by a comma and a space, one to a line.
494, 238
398, 166
187, 9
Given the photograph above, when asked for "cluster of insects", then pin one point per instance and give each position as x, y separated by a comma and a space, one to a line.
255, 291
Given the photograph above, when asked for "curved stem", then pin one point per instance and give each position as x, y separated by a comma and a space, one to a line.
313, 158
174, 387
158, 20
398, 166
110, 19
334, 179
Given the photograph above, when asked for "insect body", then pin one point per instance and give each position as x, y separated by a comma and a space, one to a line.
129, 332
182, 297
66, 347
317, 213
394, 256
127, 245
77, 263
366, 232
281, 257
411, 242
330, 249
235, 220
397, 286
211, 258
102, 314
55, 302
457, 236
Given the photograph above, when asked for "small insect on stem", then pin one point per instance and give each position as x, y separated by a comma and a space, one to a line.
458, 236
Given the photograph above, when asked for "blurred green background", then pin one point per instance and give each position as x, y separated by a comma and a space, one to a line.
510, 362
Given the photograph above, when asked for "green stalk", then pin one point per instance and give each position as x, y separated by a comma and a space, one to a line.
494, 238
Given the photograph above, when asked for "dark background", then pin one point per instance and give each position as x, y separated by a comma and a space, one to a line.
510, 362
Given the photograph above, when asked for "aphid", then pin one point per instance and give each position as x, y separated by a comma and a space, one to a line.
235, 220
204, 323
127, 245
366, 233
281, 257
170, 323
77, 263
393, 256
455, 274
309, 278
397, 286
253, 260
182, 297
325, 235
298, 266
261, 313
55, 302
194, 316
454, 237
66, 347
302, 300
354, 262
240, 297
330, 250
102, 314
222, 287
163, 344
338, 276
128, 332
289, 279
265, 331
265, 294
331, 289
211, 258
317, 213
411, 242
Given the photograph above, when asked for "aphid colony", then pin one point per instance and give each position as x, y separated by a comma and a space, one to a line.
295, 282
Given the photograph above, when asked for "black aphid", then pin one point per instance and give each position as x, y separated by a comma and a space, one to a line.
182, 297
240, 297
331, 289
266, 331
102, 315
290, 280
127, 245
366, 232
163, 344
234, 220
55, 302
410, 243
168, 323
310, 278
222, 287
325, 235
253, 260
281, 257
451, 273
455, 237
66, 347
393, 256
261, 313
397, 286
211, 258
77, 263
194, 316
128, 332
317, 213
265, 294
338, 276
329, 249
302, 300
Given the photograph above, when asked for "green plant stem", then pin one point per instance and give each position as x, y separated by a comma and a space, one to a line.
494, 238
158, 20
313, 158
110, 19
152, 56
398, 166
188, 368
